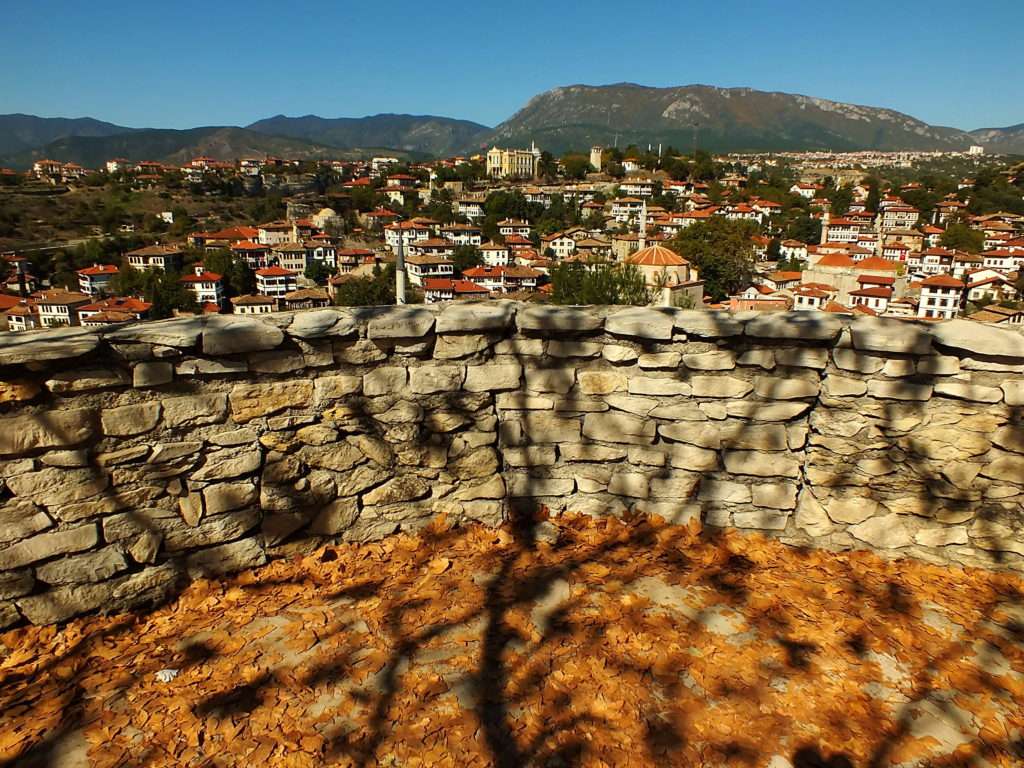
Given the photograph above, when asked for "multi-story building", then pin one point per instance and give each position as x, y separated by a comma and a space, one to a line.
513, 163
96, 279
162, 257
420, 267
275, 281
58, 307
940, 297
208, 287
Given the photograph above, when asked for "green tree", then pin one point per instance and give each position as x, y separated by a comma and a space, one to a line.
722, 252
318, 272
466, 257
841, 200
962, 238
598, 282
806, 229
576, 166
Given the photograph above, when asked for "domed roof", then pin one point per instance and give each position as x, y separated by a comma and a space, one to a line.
656, 256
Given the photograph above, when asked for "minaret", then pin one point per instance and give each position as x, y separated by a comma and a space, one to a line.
643, 227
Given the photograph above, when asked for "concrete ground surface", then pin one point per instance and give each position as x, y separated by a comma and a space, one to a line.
578, 641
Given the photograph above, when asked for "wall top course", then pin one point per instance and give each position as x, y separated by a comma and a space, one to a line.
219, 336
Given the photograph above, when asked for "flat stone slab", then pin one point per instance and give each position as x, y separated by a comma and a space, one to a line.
979, 339
321, 323
181, 332
807, 326
401, 323
872, 334
564, 319
641, 323
476, 317
40, 346
708, 325
229, 334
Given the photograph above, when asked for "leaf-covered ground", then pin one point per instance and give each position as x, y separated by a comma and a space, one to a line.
619, 644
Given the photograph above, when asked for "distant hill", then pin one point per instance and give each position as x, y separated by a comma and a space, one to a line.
727, 119
437, 136
1009, 140
24, 132
177, 146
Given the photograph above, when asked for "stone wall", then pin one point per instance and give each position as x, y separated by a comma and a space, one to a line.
135, 459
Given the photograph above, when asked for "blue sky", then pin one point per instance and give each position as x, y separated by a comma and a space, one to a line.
187, 63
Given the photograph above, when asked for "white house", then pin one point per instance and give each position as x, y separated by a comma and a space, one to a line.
275, 281
207, 286
940, 297
96, 279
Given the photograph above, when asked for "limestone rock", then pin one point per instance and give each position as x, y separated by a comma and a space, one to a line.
224, 465
584, 452
54, 486
639, 406
336, 517
196, 411
724, 491
646, 385
571, 348
978, 339
847, 359
225, 497
321, 323
18, 390
802, 357
152, 374
284, 361
85, 380
87, 567
1013, 391
1006, 467
19, 519
762, 358
894, 336
546, 319
693, 458
530, 456
601, 382
233, 334
775, 496
708, 325
549, 428
358, 352
884, 531
961, 390
201, 367
851, 509
762, 519
327, 389
761, 464
149, 586
436, 378
660, 361
619, 354
809, 326
518, 401
843, 386
454, 346
616, 427
225, 558
719, 386
46, 545
400, 323
250, 401
559, 380
493, 377
52, 429
717, 360
385, 380
778, 388
899, 390
521, 484
42, 346
641, 322
810, 515
397, 489
475, 317
130, 420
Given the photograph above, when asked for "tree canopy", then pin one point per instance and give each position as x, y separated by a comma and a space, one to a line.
722, 251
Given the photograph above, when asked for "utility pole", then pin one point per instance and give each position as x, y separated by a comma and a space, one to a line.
400, 269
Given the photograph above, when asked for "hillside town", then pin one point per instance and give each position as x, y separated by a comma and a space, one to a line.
818, 232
